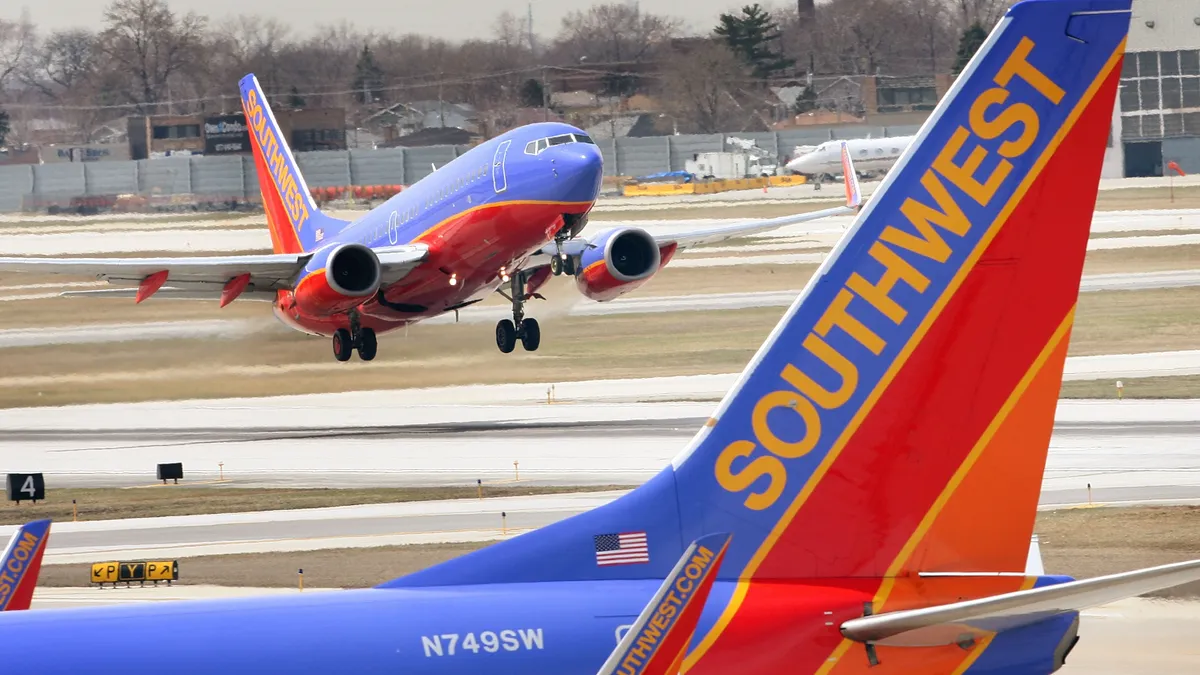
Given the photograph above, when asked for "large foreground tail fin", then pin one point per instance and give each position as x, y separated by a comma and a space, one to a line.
296, 224
897, 419
21, 563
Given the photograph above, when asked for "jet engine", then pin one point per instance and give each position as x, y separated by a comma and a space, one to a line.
351, 273
616, 262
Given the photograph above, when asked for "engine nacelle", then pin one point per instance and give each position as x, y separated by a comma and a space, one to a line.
617, 262
342, 280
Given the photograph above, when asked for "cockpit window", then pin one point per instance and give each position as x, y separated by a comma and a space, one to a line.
540, 145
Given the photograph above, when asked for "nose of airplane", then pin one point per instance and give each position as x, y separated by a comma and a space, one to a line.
802, 164
581, 167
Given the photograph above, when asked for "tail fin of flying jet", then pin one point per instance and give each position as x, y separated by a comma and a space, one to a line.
296, 224
658, 640
897, 419
21, 563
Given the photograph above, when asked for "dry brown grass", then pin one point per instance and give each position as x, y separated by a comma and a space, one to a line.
1118, 234
154, 500
1093, 542
1125, 322
275, 361
1125, 199
333, 568
1180, 386
1155, 259
1081, 543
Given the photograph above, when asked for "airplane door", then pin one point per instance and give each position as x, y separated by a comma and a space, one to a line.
499, 177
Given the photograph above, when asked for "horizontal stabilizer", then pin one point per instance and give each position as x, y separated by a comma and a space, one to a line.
974, 619
169, 294
656, 643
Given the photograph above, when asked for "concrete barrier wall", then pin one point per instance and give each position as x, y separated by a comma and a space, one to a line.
234, 177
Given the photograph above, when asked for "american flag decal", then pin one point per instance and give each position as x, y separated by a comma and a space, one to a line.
626, 548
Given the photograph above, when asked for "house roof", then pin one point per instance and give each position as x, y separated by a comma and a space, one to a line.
432, 136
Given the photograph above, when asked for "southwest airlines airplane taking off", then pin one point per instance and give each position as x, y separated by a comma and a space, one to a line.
861, 501
504, 217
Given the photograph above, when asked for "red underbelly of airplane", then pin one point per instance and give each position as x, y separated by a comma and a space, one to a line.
471, 249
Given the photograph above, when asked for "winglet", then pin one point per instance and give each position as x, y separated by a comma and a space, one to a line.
659, 639
853, 192
20, 565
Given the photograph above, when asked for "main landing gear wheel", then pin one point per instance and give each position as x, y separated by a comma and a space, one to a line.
367, 344
560, 265
506, 335
531, 334
343, 345
508, 331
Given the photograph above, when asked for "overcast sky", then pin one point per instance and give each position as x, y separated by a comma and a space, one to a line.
458, 19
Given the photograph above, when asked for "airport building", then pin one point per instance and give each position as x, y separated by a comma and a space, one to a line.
1157, 120
307, 130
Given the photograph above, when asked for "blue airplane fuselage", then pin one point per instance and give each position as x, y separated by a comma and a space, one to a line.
564, 628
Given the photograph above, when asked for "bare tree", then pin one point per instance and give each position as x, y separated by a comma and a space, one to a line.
933, 27
16, 43
986, 13
511, 32
613, 33
698, 85
62, 63
248, 44
149, 44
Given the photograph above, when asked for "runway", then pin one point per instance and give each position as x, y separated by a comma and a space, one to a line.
1131, 451
635, 304
83, 237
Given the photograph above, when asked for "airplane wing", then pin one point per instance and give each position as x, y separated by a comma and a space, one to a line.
713, 235
974, 619
658, 640
21, 562
204, 277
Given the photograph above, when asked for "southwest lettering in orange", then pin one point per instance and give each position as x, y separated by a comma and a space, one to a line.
922, 217
1017, 113
895, 269
837, 315
766, 465
793, 401
841, 365
963, 175
1018, 64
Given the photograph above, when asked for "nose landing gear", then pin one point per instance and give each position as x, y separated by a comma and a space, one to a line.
508, 331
